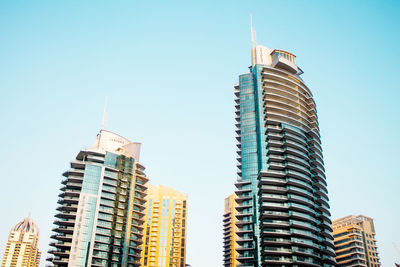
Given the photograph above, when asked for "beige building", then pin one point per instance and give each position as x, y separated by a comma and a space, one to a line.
164, 234
355, 244
230, 236
22, 245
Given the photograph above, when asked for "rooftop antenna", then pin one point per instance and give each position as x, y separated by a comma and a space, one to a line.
105, 116
253, 41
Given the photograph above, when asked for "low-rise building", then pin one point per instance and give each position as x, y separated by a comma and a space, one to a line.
355, 243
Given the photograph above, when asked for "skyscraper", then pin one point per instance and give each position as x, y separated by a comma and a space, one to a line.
355, 243
229, 224
22, 245
164, 235
283, 211
101, 206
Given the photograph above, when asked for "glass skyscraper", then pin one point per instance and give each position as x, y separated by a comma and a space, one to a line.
283, 216
99, 219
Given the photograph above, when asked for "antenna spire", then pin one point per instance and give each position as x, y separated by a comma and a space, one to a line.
105, 116
253, 42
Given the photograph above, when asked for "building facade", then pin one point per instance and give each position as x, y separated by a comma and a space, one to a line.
229, 224
22, 245
164, 235
99, 219
355, 243
283, 213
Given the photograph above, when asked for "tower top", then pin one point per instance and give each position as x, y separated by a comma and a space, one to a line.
27, 225
112, 142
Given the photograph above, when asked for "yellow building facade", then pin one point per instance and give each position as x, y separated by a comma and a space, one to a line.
355, 244
22, 245
164, 233
229, 220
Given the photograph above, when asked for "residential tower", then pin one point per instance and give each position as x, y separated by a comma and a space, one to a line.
164, 238
22, 245
283, 213
100, 215
229, 224
355, 243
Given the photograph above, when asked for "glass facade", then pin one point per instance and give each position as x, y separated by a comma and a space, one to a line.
100, 216
283, 212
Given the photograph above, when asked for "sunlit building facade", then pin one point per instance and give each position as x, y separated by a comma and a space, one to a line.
355, 243
229, 224
22, 245
164, 235
100, 216
283, 216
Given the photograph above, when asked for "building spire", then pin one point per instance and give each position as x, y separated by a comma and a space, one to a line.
105, 116
253, 42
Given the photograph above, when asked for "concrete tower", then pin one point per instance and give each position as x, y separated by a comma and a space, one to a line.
22, 245
355, 243
164, 235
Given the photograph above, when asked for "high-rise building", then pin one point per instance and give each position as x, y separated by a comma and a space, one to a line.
22, 245
164, 235
355, 243
99, 219
229, 221
283, 211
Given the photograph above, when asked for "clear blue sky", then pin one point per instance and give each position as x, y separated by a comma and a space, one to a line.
169, 69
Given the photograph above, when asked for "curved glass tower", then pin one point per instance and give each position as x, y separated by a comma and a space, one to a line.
283, 211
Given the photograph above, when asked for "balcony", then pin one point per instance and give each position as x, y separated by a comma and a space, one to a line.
301, 200
301, 216
274, 215
308, 252
275, 232
303, 225
278, 251
242, 248
275, 241
304, 242
329, 251
275, 223
299, 191
272, 189
276, 158
272, 197
272, 173
301, 208
269, 260
298, 183
272, 181
273, 206
297, 160
307, 262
